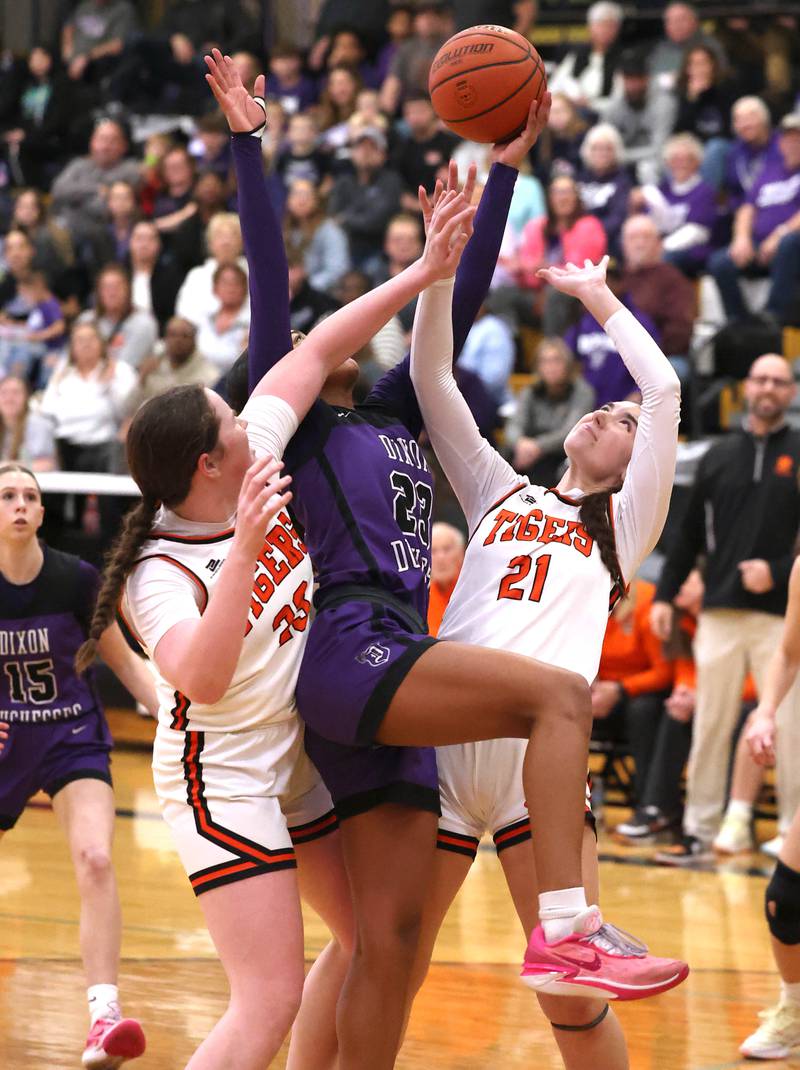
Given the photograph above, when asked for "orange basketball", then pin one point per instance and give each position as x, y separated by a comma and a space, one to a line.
483, 80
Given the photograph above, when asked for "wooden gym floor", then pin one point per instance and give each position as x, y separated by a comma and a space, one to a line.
473, 1013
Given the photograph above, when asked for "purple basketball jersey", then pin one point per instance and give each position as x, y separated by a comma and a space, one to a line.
42, 624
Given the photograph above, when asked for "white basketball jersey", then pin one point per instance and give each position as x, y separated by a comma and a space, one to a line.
176, 564
533, 582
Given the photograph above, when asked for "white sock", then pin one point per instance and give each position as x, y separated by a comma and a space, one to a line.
790, 993
558, 909
739, 808
103, 1002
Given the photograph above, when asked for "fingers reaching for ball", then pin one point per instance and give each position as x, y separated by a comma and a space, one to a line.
428, 203
448, 232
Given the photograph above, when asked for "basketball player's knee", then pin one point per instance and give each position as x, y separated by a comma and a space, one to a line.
573, 700
782, 904
94, 864
396, 936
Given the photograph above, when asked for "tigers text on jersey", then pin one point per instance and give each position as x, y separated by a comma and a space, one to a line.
533, 582
173, 580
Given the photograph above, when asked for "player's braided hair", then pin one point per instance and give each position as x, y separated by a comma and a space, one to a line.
596, 519
167, 437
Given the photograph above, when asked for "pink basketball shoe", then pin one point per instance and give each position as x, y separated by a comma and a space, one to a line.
597, 959
111, 1042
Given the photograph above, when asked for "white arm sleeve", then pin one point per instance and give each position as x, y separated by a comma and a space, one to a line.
640, 508
477, 473
158, 595
271, 422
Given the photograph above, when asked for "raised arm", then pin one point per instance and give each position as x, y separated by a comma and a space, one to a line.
477, 266
300, 375
270, 332
640, 509
477, 473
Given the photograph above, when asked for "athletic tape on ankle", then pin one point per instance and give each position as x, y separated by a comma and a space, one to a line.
257, 131
583, 1028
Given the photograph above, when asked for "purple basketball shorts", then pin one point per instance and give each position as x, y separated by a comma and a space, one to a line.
357, 656
50, 756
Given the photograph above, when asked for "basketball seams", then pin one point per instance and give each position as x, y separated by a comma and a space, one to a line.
539, 67
477, 31
482, 67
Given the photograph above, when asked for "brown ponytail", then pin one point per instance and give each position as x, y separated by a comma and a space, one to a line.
596, 519
167, 437
135, 529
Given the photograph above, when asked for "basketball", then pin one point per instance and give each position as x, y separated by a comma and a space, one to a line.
482, 83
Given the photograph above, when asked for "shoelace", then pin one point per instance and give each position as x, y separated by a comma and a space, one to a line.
616, 941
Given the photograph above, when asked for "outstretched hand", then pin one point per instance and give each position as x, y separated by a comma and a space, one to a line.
574, 280
512, 153
448, 232
238, 107
428, 204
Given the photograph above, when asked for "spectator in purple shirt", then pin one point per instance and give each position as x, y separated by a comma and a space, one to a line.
604, 183
601, 365
682, 205
173, 204
754, 144
766, 232
286, 81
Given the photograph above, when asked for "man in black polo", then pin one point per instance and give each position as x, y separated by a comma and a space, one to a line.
743, 516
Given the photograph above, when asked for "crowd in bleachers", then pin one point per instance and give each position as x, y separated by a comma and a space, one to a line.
680, 157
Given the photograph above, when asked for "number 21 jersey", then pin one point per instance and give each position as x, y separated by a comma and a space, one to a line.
533, 583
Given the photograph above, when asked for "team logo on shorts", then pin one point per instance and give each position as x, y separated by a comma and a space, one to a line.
375, 654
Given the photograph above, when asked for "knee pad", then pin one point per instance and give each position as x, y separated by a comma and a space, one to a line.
782, 904
583, 1028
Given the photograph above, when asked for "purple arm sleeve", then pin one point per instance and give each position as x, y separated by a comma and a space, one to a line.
394, 390
270, 333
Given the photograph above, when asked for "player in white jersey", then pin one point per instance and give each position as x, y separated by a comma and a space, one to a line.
541, 570
216, 586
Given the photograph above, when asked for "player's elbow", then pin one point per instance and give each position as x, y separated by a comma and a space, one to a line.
201, 685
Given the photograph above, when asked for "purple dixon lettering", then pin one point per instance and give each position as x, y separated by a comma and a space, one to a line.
536, 526
282, 552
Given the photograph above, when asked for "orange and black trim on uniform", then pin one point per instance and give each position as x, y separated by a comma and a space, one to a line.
511, 835
185, 570
193, 540
520, 486
179, 712
457, 843
314, 830
251, 858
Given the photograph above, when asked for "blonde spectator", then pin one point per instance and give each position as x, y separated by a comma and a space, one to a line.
129, 333
222, 334
321, 241
546, 411
224, 242
86, 400
25, 436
